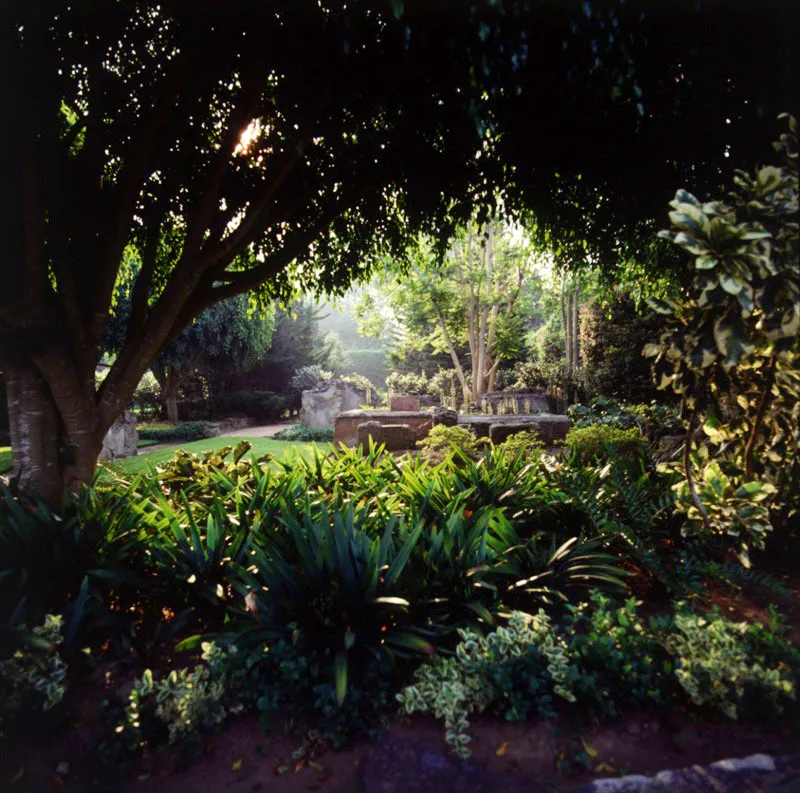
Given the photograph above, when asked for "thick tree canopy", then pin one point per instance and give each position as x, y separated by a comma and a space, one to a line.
238, 145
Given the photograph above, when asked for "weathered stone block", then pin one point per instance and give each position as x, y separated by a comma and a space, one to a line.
395, 437
321, 406
500, 432
444, 416
121, 439
346, 427
552, 428
399, 402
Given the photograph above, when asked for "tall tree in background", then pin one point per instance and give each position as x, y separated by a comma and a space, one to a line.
462, 306
196, 132
297, 342
224, 341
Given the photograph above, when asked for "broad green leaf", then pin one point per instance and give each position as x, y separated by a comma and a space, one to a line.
730, 334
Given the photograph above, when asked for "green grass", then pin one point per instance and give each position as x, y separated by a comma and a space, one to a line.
144, 442
5, 459
261, 446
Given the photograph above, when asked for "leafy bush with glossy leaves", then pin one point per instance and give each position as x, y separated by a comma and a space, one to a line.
737, 332
526, 445
34, 676
406, 383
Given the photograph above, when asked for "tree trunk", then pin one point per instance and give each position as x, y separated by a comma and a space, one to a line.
566, 319
171, 395
575, 335
48, 459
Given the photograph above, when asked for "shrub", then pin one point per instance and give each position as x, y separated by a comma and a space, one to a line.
307, 378
526, 445
181, 432
599, 440
147, 396
260, 405
454, 688
731, 665
607, 660
654, 420
406, 383
34, 676
445, 383
179, 704
361, 383
299, 432
443, 442
736, 330
535, 375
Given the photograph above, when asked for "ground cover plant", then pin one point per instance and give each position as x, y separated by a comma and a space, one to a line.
317, 583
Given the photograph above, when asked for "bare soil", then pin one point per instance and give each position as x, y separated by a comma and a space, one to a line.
554, 754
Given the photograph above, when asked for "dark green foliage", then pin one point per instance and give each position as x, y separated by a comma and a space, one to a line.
299, 432
307, 378
259, 405
182, 431
612, 337
620, 656
653, 419
331, 574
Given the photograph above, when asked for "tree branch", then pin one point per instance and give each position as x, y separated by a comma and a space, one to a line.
208, 194
766, 398
134, 173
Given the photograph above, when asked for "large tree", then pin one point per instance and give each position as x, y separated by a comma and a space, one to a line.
278, 145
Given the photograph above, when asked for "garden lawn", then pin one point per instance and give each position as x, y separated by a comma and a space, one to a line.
261, 446
5, 459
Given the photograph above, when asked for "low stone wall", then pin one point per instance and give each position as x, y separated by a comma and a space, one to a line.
228, 426
552, 428
515, 402
404, 402
121, 439
346, 427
